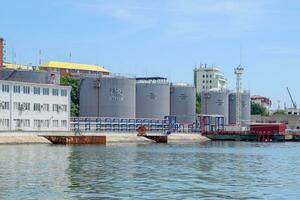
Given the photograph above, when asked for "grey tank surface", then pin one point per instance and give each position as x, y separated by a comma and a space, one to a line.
215, 102
245, 108
31, 76
183, 103
152, 99
107, 96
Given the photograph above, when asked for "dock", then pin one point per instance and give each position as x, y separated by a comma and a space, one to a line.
253, 137
81, 139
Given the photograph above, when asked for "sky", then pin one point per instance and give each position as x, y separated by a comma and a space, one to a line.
163, 38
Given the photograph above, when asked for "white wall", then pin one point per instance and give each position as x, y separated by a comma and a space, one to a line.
34, 120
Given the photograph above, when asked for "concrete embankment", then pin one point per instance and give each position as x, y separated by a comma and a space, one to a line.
111, 138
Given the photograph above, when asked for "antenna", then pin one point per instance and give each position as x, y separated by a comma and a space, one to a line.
241, 54
278, 107
14, 55
40, 57
70, 56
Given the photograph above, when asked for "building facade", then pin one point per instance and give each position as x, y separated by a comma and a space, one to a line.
263, 101
206, 78
34, 107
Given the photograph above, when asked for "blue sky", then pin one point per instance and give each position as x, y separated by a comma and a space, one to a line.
163, 37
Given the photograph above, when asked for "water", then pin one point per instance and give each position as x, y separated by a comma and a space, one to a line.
213, 170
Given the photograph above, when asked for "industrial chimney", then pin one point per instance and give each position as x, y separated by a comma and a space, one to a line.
1, 52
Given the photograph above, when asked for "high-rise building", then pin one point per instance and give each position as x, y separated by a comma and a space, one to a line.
206, 78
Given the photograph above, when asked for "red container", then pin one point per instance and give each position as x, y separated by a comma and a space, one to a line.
267, 128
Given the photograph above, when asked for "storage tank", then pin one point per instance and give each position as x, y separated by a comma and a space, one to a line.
152, 98
215, 102
107, 96
183, 103
32, 76
245, 107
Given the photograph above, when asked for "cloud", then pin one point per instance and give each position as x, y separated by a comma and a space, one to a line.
192, 19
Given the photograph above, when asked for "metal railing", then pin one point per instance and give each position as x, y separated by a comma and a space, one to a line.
108, 124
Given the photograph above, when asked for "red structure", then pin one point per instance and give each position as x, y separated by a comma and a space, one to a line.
1, 52
277, 128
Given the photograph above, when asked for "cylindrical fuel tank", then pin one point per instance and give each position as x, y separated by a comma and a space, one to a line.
215, 102
152, 99
107, 96
183, 103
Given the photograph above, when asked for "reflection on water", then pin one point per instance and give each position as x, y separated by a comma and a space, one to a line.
212, 170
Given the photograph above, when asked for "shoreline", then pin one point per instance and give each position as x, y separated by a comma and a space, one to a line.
111, 138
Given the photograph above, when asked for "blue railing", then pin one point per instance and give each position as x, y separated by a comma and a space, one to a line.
118, 124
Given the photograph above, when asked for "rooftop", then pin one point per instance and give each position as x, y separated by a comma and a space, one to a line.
16, 66
76, 66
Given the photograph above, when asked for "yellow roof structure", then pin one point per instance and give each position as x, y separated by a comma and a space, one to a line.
76, 66
16, 66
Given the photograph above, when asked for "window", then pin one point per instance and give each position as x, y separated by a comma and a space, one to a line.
4, 123
21, 123
45, 91
63, 108
45, 107
63, 92
37, 123
203, 81
55, 107
206, 76
4, 105
26, 89
64, 123
17, 105
203, 87
17, 89
203, 76
210, 81
55, 92
37, 107
5, 88
37, 90
210, 76
55, 123
46, 123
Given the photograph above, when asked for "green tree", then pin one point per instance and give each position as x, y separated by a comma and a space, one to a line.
279, 112
257, 109
74, 82
198, 104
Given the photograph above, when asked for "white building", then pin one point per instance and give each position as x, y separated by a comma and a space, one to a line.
206, 78
34, 106
263, 101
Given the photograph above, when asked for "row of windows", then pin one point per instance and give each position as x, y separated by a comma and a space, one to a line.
25, 106
207, 81
37, 123
36, 90
210, 87
207, 76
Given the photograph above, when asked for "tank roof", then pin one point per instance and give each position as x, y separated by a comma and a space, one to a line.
155, 78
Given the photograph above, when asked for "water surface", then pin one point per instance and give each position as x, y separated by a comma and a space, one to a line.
212, 170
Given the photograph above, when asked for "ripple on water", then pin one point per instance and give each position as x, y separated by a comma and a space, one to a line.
212, 170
